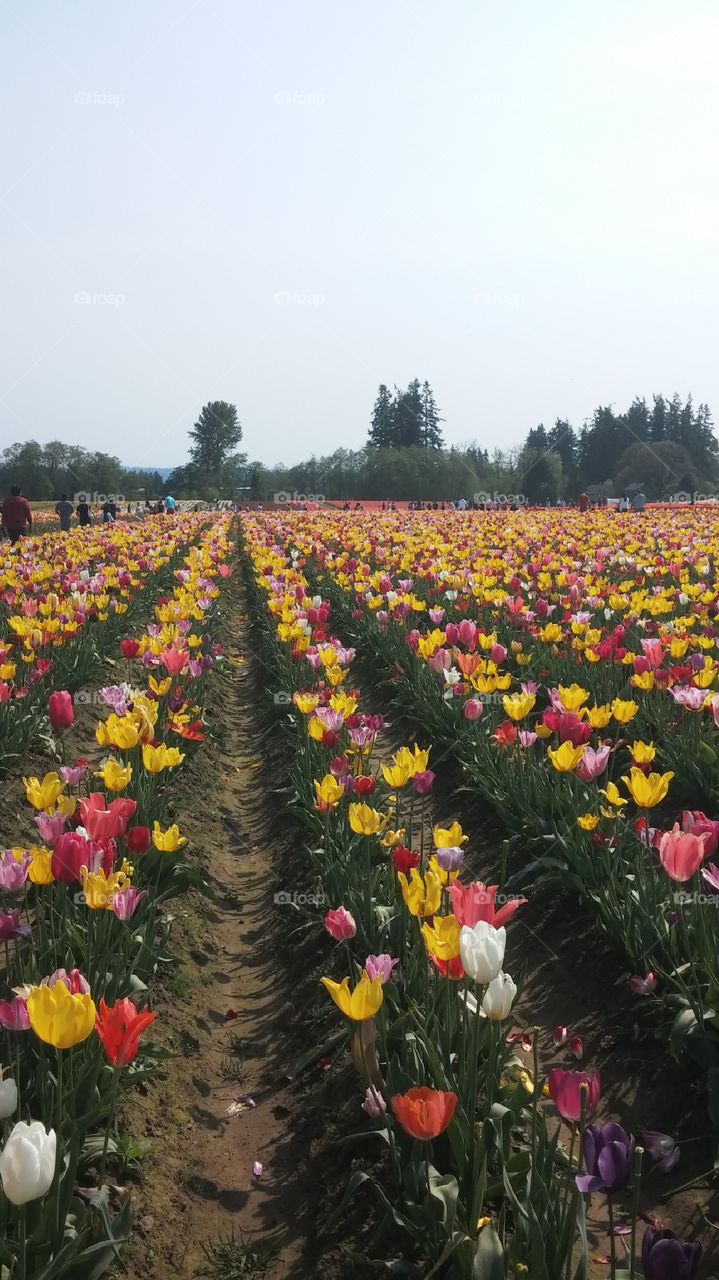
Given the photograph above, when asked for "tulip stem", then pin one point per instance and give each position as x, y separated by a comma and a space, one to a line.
612, 1238
59, 1225
23, 1243
108, 1126
639, 1152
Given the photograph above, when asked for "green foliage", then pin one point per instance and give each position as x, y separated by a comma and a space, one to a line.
45, 471
405, 420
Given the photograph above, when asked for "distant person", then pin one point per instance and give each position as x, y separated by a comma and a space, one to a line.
84, 516
15, 514
639, 501
109, 512
64, 509
624, 503
462, 504
170, 504
584, 502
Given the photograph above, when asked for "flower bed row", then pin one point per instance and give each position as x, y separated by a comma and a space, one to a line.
64, 601
84, 927
472, 1178
579, 735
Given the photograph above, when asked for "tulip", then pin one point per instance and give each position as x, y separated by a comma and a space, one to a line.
608, 1158
114, 776
103, 823
168, 841
422, 894
157, 758
8, 1098
14, 871
424, 1113
60, 710
449, 859
473, 709
593, 763
499, 997
449, 837
59, 1018
661, 1148
442, 937
565, 1088
11, 926
374, 1104
50, 829
129, 648
696, 822
13, 1014
174, 660
328, 793
482, 950
27, 1162
474, 902
665, 1256
340, 924
138, 840
642, 986
360, 1004
403, 858
381, 967
42, 795
73, 774
681, 854
72, 852
423, 782
364, 820
119, 1027
647, 790
126, 901
74, 981
566, 758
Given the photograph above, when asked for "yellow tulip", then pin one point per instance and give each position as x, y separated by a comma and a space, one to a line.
42, 795
444, 877
573, 696
642, 752
306, 702
422, 894
518, 705
364, 820
156, 759
566, 757
360, 1004
599, 717
118, 731
41, 866
344, 703
623, 711
647, 791
396, 775
99, 888
614, 795
328, 792
167, 841
442, 937
451, 837
588, 822
316, 729
59, 1018
115, 777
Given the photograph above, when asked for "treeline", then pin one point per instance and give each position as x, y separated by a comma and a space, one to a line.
45, 471
666, 448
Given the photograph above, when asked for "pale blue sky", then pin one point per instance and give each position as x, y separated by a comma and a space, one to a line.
283, 203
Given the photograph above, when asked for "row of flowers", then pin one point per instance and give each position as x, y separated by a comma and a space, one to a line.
473, 1177
84, 925
588, 741
64, 602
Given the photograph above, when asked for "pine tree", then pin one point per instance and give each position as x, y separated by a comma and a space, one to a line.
381, 432
408, 417
431, 430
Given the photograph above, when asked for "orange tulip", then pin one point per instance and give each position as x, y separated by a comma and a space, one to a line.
424, 1113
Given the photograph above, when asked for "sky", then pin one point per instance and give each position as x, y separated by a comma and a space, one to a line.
284, 203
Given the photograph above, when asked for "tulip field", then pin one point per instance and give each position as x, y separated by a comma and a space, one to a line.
564, 668
483, 718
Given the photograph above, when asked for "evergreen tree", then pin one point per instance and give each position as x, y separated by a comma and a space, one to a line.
408, 417
381, 432
431, 430
215, 435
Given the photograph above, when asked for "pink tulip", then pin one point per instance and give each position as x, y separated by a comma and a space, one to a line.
174, 660
681, 853
381, 966
642, 986
74, 981
473, 709
103, 823
126, 901
13, 874
653, 652
565, 1088
696, 822
60, 710
14, 1015
592, 763
560, 1035
467, 634
340, 924
475, 902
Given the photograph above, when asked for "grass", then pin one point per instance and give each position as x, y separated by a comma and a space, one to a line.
233, 1070
235, 1256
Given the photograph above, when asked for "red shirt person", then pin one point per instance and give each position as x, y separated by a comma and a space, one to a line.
584, 502
16, 514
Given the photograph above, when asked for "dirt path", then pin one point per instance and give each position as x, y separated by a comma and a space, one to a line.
224, 1009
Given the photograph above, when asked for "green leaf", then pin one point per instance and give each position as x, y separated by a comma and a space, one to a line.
488, 1261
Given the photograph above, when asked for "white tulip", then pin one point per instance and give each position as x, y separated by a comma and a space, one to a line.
482, 950
8, 1099
27, 1162
499, 997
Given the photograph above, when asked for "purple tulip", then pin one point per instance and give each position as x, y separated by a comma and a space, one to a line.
423, 782
10, 926
661, 1148
666, 1257
608, 1158
381, 966
13, 874
50, 828
450, 859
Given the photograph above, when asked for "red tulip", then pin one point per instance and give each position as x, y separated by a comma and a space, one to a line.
61, 710
119, 1027
474, 902
129, 648
404, 859
105, 824
138, 840
424, 1113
